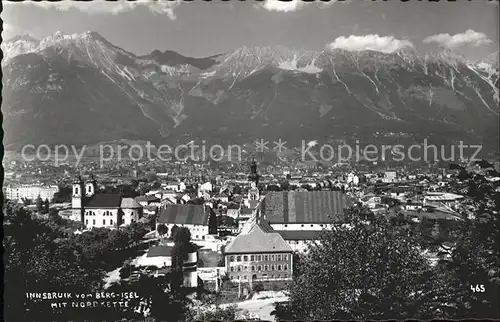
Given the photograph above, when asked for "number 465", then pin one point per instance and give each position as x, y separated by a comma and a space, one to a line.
477, 288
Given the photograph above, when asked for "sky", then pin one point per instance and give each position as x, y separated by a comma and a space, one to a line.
200, 28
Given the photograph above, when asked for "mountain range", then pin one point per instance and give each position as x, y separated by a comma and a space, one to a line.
81, 89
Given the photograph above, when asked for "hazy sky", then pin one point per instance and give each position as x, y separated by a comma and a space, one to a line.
201, 28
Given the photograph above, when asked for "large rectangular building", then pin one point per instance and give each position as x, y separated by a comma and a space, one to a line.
304, 210
31, 192
199, 219
259, 254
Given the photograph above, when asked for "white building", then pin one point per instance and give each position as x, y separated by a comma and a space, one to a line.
102, 210
32, 192
194, 217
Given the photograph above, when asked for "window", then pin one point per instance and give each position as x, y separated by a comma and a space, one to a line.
279, 267
111, 221
278, 257
232, 277
76, 190
93, 222
259, 267
278, 276
252, 258
259, 257
253, 268
245, 258
231, 258
245, 277
272, 257
238, 277
238, 258
90, 188
266, 258
285, 276
104, 221
86, 222
273, 267
285, 267
266, 267
232, 268
272, 276
264, 275
285, 257
239, 268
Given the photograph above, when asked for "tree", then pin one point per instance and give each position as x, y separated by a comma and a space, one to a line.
162, 229
229, 313
474, 260
182, 236
212, 222
39, 203
180, 251
365, 271
39, 258
46, 206
173, 231
226, 221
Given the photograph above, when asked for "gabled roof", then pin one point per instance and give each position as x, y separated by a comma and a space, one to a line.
163, 251
129, 203
259, 239
104, 200
149, 198
304, 206
185, 214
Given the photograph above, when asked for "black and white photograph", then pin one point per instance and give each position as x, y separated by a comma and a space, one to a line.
259, 160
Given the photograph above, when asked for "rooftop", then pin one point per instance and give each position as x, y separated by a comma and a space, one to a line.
163, 251
129, 203
104, 200
304, 206
182, 214
259, 239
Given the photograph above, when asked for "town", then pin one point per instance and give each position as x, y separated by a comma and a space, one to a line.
246, 228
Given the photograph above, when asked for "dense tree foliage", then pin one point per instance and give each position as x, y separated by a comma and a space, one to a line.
366, 271
39, 258
162, 229
375, 269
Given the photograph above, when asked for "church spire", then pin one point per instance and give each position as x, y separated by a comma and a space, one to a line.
254, 176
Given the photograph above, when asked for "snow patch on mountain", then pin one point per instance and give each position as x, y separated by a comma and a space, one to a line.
17, 46
292, 65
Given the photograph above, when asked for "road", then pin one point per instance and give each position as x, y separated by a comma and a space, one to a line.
262, 308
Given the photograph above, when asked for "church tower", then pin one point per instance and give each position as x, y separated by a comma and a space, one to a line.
77, 199
253, 177
91, 187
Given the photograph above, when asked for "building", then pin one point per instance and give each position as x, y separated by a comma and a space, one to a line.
300, 216
161, 258
258, 254
102, 209
299, 240
149, 200
199, 219
131, 211
304, 210
32, 192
